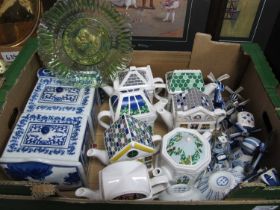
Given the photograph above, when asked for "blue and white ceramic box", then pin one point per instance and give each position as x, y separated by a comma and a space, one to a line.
48, 148
50, 95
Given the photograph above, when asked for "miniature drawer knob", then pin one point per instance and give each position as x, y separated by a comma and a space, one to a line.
45, 130
59, 89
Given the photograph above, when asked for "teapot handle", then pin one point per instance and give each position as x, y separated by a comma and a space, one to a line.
157, 140
101, 115
159, 184
159, 85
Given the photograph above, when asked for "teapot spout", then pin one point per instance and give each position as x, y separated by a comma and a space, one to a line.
108, 90
88, 193
99, 154
164, 114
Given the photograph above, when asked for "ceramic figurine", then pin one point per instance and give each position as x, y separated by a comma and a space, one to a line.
271, 177
192, 109
48, 148
218, 99
126, 139
184, 155
136, 78
235, 100
126, 180
51, 95
245, 125
134, 103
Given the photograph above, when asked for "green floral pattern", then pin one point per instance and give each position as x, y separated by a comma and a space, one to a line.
178, 148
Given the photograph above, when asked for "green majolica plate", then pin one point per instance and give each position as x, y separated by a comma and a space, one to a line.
84, 41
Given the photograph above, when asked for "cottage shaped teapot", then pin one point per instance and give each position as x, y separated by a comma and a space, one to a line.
136, 78
192, 109
134, 103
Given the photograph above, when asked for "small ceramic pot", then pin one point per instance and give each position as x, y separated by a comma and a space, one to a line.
184, 155
133, 103
126, 180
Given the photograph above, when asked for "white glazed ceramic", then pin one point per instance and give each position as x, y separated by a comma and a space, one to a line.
136, 78
127, 139
215, 186
50, 95
48, 148
126, 180
239, 158
192, 109
134, 103
185, 153
181, 192
271, 177
245, 119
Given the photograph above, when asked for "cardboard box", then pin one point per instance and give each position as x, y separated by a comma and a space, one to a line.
247, 67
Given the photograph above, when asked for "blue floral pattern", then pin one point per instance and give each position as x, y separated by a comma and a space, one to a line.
22, 171
72, 178
19, 143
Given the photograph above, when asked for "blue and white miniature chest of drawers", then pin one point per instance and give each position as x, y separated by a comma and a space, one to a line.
48, 148
50, 95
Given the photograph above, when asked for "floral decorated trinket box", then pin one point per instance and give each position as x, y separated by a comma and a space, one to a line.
50, 95
48, 148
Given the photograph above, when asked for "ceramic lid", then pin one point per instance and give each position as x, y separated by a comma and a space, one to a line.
186, 149
125, 131
140, 77
51, 95
46, 137
178, 81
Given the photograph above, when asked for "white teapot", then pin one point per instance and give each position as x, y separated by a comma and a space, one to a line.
136, 78
125, 180
134, 103
193, 109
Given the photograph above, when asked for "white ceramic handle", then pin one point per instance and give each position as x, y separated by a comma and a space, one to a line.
159, 184
101, 115
158, 80
159, 85
157, 140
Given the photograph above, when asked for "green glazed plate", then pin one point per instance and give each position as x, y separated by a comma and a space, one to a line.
84, 42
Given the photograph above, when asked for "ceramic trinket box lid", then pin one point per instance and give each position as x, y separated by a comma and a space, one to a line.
48, 148
51, 95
